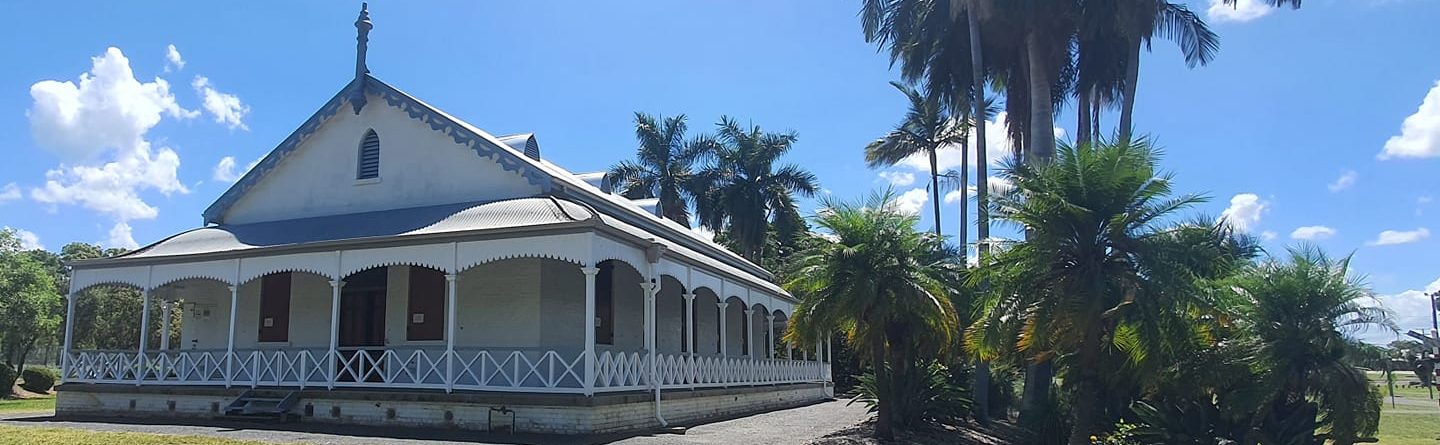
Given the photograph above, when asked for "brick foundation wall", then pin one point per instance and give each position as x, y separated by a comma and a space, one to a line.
611, 413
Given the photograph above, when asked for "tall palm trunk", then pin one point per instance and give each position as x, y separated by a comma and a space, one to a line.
1042, 107
1082, 110
1132, 77
935, 189
1034, 402
884, 418
1088, 391
981, 390
964, 237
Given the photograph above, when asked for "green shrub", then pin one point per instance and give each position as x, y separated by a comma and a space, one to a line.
39, 379
7, 380
935, 396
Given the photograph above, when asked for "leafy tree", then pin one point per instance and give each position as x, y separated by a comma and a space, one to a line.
663, 166
742, 192
106, 317
926, 129
1109, 37
29, 304
877, 280
1105, 275
1303, 311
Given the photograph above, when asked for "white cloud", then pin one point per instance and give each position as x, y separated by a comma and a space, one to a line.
1314, 233
9, 193
106, 115
1420, 132
1410, 309
28, 240
1269, 235
955, 196
912, 201
898, 179
121, 236
997, 148
108, 110
1393, 237
225, 108
225, 170
998, 185
1345, 181
1239, 11
173, 59
1245, 211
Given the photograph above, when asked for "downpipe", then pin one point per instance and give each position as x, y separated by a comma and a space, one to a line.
651, 294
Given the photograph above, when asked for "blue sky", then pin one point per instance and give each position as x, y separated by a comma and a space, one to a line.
1296, 102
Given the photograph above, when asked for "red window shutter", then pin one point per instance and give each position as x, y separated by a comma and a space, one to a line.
275, 308
425, 319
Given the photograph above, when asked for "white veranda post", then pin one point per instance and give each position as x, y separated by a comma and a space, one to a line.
144, 334
165, 324
770, 336
69, 333
230, 337
689, 323
690, 337
332, 356
450, 331
750, 333
589, 383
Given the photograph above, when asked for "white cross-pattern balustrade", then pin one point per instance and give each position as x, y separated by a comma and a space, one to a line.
512, 370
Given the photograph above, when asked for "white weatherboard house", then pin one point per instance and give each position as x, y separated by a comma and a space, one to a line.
391, 264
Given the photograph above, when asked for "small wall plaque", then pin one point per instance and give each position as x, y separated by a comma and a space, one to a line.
269, 322
417, 318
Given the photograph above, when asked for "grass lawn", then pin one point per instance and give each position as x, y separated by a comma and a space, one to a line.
11, 435
39, 404
1414, 419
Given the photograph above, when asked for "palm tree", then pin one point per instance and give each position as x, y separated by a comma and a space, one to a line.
926, 129
878, 281
1302, 314
1104, 269
741, 191
662, 168
1110, 36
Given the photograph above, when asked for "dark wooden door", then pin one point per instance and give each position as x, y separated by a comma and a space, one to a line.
362, 325
362, 318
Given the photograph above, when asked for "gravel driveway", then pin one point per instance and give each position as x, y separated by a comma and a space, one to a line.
792, 426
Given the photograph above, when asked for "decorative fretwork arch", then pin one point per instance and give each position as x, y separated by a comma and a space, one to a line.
318, 263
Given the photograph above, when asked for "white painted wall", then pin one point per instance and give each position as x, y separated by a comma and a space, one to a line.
518, 303
206, 306
418, 166
562, 295
669, 324
629, 304
707, 323
735, 328
759, 327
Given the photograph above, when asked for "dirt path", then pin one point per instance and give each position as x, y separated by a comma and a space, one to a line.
793, 426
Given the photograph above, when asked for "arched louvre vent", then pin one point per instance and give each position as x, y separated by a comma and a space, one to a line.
369, 163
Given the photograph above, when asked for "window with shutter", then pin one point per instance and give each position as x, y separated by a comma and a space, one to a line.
368, 166
275, 308
427, 305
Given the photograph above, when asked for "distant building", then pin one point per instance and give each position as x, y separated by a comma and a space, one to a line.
390, 264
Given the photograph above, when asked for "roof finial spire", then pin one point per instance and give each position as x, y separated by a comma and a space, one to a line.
362, 26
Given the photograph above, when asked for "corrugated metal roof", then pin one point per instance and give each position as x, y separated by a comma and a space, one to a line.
523, 212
